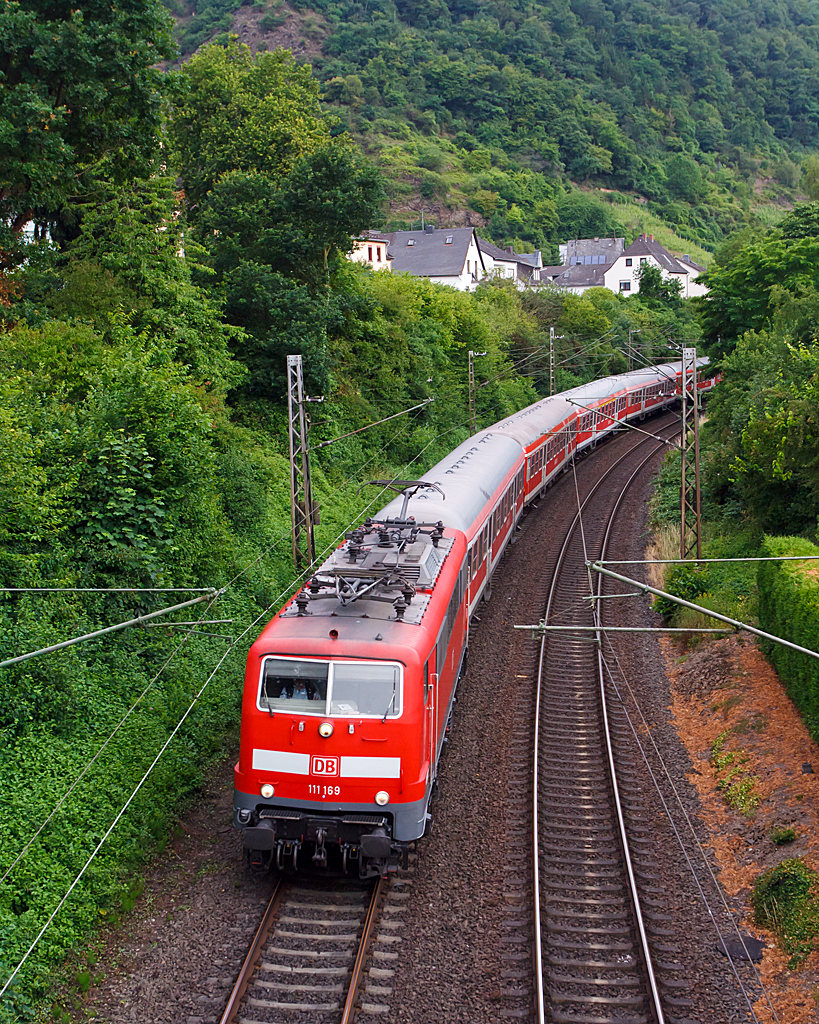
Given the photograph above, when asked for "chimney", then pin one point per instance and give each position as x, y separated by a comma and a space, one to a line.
597, 238
429, 229
651, 238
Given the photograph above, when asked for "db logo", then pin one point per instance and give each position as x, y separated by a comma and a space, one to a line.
324, 766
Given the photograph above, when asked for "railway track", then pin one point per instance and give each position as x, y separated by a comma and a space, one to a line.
596, 963
577, 954
307, 958
591, 967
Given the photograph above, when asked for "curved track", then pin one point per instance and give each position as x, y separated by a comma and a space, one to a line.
595, 963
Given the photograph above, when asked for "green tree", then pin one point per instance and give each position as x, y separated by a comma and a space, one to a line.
235, 111
655, 287
745, 292
764, 426
133, 253
274, 245
80, 98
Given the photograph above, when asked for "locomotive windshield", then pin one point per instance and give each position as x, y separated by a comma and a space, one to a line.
341, 689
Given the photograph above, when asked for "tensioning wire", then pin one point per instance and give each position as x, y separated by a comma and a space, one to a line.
105, 743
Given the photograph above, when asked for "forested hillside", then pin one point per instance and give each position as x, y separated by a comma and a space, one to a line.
157, 264
486, 110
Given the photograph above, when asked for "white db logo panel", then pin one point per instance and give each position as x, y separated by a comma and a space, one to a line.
324, 765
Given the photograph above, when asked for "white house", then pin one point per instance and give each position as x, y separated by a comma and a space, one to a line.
623, 274
446, 256
522, 268
371, 249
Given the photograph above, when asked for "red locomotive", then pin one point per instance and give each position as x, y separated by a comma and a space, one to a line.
350, 688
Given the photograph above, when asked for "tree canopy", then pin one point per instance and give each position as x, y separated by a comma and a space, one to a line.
81, 99
233, 111
752, 282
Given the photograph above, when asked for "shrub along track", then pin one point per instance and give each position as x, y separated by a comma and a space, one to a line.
459, 956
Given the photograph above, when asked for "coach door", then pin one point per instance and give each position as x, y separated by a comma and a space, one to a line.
430, 703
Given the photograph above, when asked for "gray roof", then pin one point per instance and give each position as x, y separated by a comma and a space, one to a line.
372, 236
467, 482
509, 255
611, 248
525, 262
646, 246
578, 276
686, 261
428, 253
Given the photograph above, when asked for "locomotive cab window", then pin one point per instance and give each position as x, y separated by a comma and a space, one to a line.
338, 689
365, 689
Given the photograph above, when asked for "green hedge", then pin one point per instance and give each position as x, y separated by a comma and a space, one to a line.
789, 607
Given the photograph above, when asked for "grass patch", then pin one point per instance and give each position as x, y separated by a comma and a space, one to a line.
786, 900
781, 835
733, 781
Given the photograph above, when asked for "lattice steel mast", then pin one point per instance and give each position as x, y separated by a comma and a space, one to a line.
690, 540
301, 498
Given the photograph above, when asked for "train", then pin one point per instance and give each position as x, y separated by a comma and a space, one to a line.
349, 689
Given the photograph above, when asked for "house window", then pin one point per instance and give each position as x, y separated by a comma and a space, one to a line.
448, 240
378, 253
410, 241
467, 266
370, 253
625, 286
642, 260
628, 261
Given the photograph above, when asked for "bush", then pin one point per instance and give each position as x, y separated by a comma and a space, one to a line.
784, 899
789, 608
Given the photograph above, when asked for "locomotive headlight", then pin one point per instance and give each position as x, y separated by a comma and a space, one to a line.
267, 791
326, 729
382, 797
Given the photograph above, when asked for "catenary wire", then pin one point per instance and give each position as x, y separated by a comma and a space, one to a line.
170, 658
104, 745
281, 596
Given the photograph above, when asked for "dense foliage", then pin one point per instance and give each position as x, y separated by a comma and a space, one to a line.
764, 427
496, 105
142, 423
789, 607
81, 98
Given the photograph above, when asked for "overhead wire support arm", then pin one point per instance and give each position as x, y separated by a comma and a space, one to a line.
369, 426
140, 620
646, 589
623, 423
